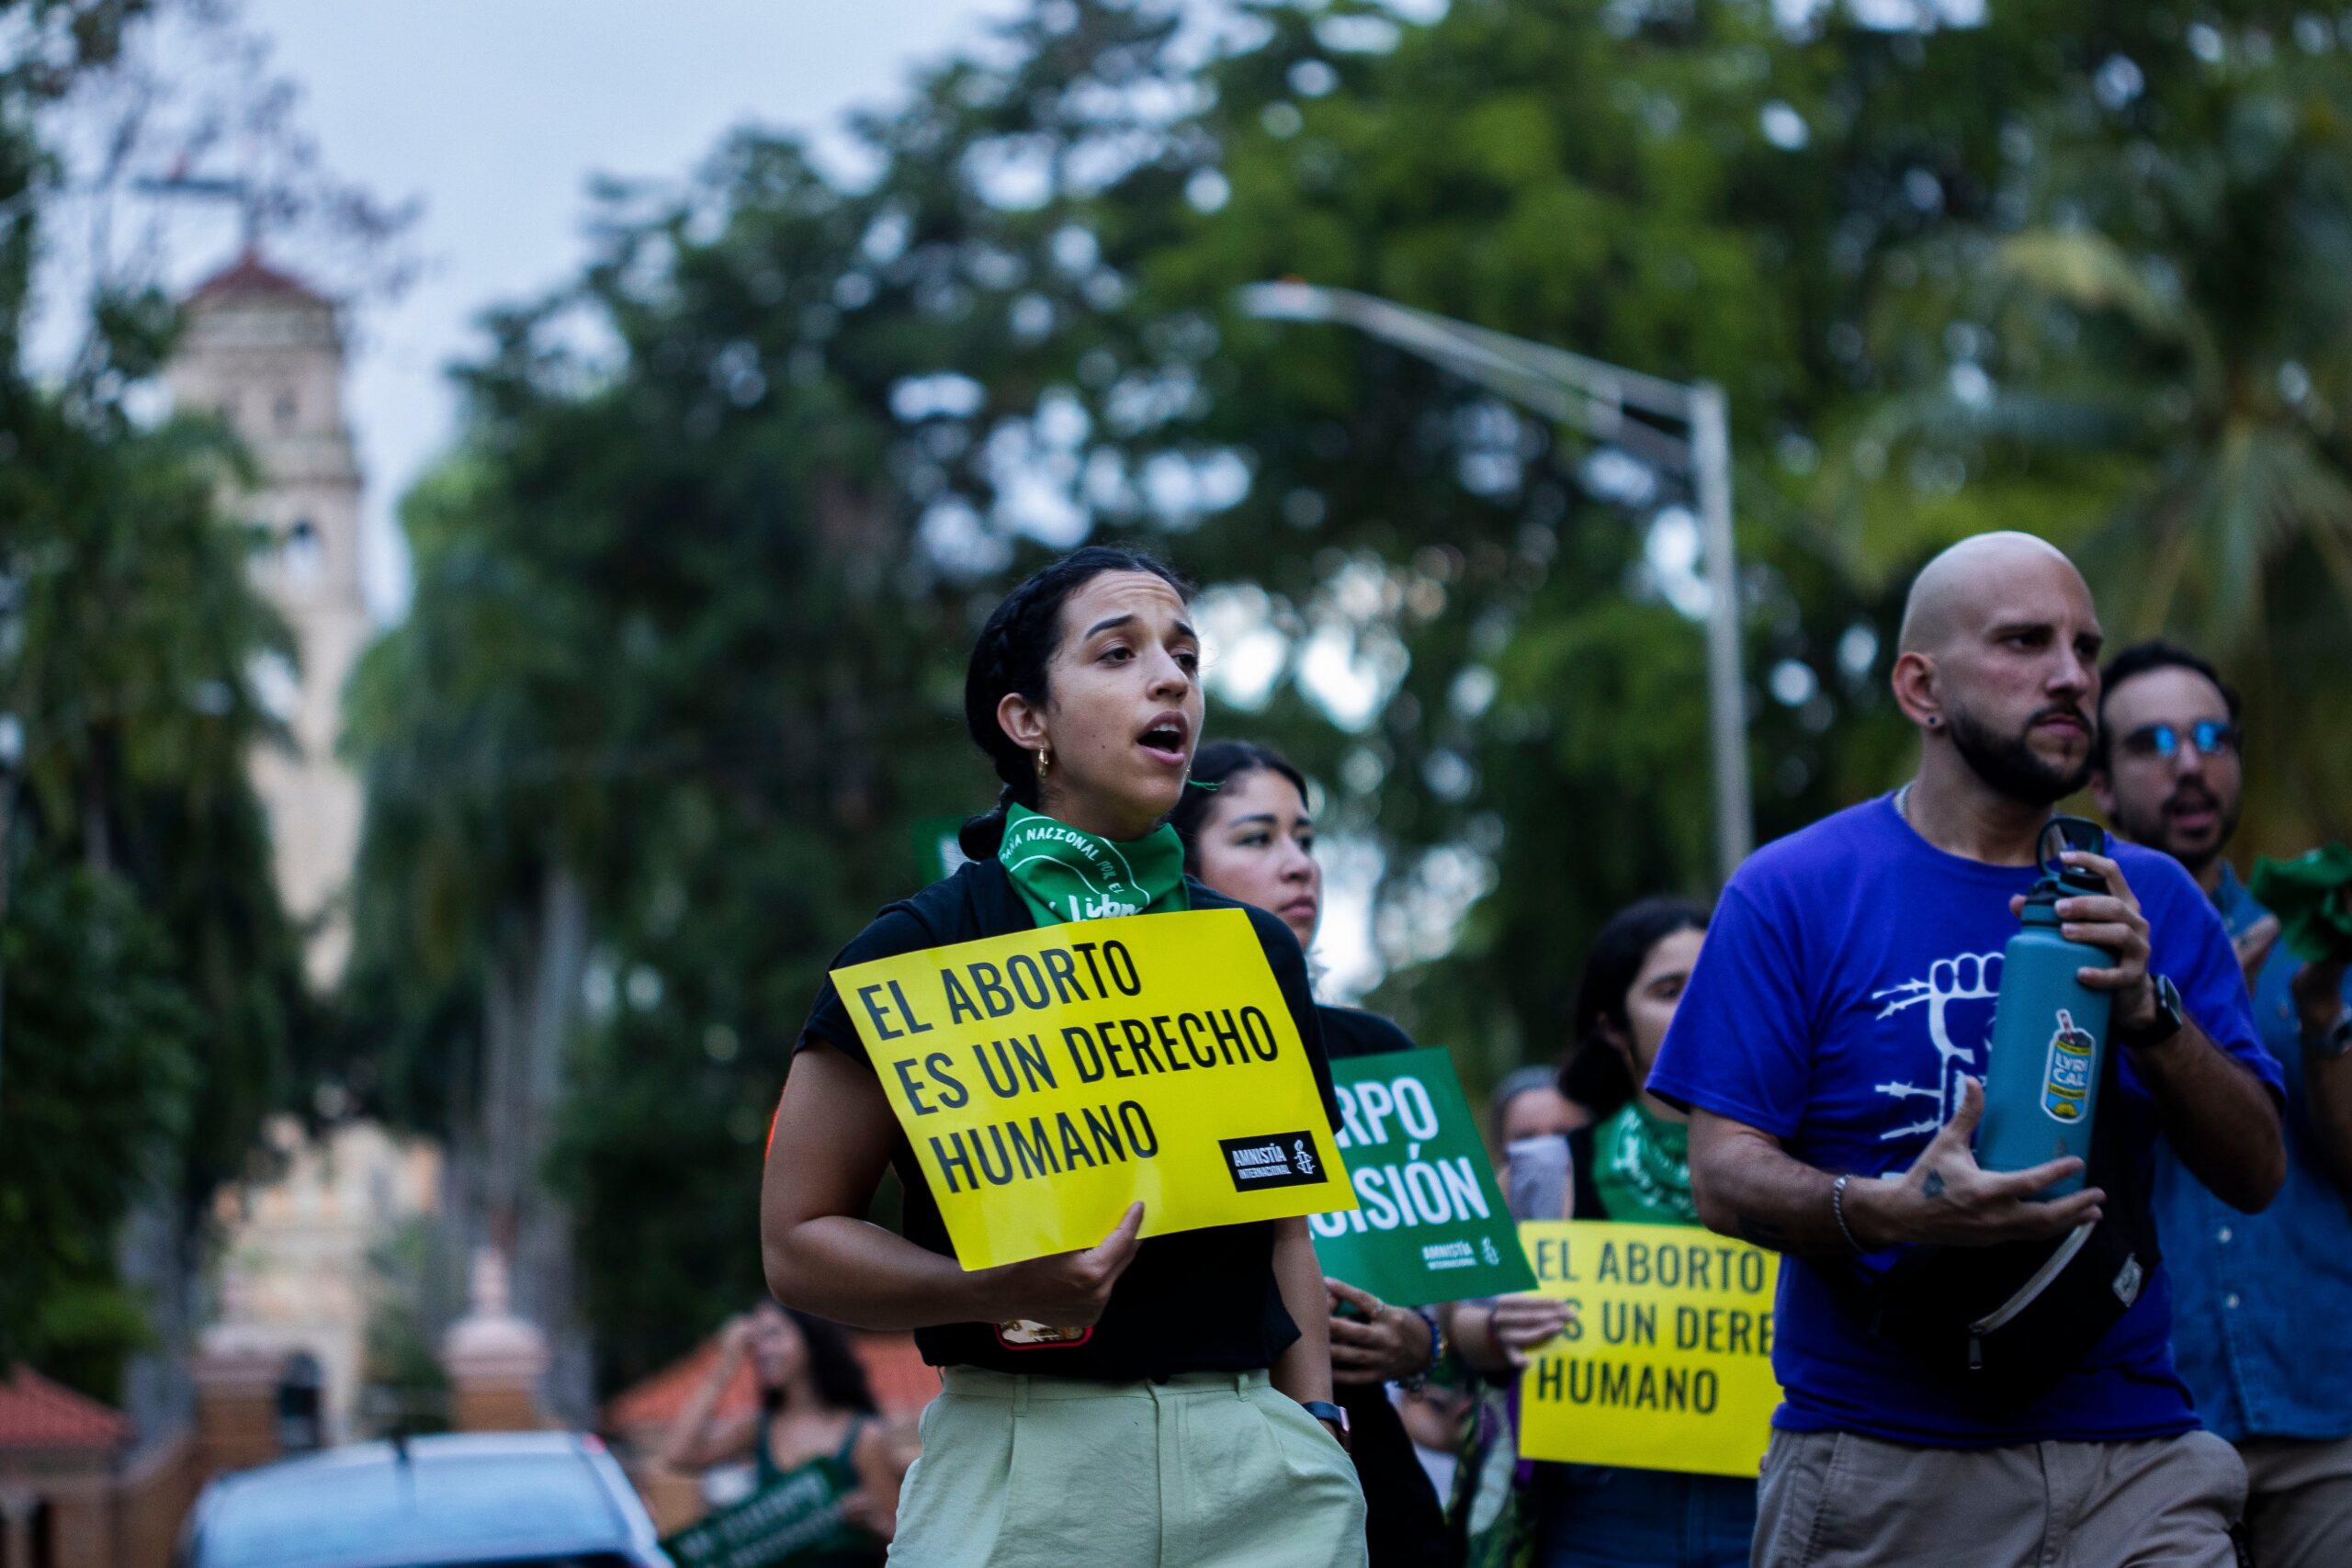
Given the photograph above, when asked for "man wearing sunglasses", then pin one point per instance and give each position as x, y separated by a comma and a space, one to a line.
2262, 1309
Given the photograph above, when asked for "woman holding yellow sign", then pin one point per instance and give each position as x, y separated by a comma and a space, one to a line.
1161, 1401
1633, 1167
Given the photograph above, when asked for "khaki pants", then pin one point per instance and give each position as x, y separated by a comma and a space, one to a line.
1838, 1500
1204, 1470
2298, 1502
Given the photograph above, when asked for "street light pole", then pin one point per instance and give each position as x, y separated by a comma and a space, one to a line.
1595, 398
1726, 697
11, 752
12, 757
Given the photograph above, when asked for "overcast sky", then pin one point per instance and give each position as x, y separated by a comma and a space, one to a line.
497, 112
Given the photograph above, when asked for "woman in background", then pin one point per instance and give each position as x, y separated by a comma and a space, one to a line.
1633, 1167
1531, 1121
814, 1404
1531, 1103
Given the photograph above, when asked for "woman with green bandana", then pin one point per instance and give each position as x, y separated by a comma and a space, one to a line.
1164, 1401
1632, 1166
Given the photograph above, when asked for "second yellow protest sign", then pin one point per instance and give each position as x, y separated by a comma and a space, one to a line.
1668, 1363
1047, 1079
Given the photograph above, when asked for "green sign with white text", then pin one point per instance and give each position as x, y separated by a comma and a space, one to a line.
797, 1517
937, 853
1429, 1224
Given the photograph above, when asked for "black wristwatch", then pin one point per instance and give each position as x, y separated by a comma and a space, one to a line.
2169, 1019
1330, 1414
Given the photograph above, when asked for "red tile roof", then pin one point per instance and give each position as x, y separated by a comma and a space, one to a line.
38, 1413
657, 1401
249, 275
902, 1384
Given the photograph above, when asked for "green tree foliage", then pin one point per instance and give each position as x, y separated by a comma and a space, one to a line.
1604, 176
689, 629
693, 600
2142, 340
151, 978
101, 1071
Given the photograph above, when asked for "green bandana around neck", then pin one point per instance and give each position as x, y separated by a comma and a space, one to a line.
1067, 874
1641, 1168
2311, 896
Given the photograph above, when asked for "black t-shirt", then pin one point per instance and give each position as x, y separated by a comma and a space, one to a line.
1404, 1521
1195, 1302
1351, 1032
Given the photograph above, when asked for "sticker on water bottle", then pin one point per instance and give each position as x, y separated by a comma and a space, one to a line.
2066, 1082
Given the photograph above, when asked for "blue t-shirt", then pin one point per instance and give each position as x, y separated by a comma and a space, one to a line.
1845, 986
2262, 1310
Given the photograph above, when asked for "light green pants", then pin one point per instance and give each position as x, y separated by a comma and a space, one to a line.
1204, 1470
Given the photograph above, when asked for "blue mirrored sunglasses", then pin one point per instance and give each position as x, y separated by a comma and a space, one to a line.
2211, 737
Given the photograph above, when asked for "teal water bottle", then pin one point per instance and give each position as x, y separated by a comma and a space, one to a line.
2049, 1029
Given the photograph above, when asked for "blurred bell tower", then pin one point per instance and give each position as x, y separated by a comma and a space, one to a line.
264, 352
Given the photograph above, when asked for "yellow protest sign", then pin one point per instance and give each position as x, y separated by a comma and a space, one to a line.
1669, 1365
1047, 1079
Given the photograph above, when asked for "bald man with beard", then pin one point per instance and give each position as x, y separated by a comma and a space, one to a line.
1831, 1049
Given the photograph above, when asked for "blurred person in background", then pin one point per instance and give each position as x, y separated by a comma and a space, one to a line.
1532, 1123
1530, 1102
1634, 1169
814, 1404
1164, 1401
1632, 1164
2262, 1303
1247, 833
1493, 1335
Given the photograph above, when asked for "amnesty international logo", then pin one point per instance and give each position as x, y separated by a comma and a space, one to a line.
1278, 1159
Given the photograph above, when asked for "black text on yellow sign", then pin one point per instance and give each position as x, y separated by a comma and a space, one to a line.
1668, 1362
1049, 1078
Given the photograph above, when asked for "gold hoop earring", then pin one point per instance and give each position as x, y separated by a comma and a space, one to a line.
1044, 763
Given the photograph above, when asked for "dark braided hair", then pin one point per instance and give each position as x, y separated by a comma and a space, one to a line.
1219, 762
1011, 656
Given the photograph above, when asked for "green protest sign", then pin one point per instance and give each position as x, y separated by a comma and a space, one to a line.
797, 1517
1429, 1224
937, 853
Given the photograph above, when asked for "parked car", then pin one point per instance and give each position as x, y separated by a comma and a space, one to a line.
471, 1500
